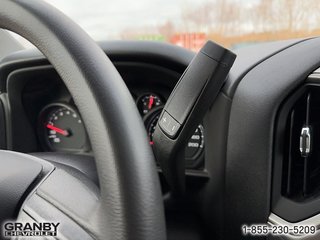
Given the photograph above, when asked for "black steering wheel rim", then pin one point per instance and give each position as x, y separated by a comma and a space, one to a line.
129, 185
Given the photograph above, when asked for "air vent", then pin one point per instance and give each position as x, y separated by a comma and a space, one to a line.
301, 165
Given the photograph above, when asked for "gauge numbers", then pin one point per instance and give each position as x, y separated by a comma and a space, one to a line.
63, 129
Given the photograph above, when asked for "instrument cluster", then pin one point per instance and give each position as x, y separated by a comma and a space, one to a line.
60, 128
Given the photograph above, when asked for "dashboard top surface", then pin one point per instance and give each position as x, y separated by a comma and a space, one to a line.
167, 55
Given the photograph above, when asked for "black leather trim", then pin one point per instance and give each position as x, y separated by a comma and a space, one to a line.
131, 200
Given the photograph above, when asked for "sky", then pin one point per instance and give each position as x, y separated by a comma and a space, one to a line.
106, 19
140, 19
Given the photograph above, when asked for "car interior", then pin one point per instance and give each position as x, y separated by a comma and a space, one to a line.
147, 140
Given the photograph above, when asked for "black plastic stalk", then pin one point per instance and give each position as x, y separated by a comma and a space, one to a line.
195, 92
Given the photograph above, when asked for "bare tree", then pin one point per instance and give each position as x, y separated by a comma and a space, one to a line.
285, 15
167, 29
233, 21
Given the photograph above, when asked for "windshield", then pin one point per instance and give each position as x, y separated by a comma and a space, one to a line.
189, 23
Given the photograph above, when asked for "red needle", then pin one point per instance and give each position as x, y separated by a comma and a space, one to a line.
151, 99
58, 130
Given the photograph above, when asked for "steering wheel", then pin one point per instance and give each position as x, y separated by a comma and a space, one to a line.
128, 203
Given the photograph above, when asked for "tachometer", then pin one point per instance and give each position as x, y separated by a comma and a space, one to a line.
62, 129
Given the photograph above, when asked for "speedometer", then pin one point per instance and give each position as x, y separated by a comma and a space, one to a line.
62, 129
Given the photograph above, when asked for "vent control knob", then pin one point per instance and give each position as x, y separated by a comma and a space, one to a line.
305, 141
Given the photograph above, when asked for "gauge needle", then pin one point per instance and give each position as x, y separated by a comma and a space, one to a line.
151, 99
58, 130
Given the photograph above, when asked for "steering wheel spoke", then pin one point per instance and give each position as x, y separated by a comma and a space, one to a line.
42, 195
19, 173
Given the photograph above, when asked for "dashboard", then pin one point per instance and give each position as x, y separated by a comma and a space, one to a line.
46, 119
238, 170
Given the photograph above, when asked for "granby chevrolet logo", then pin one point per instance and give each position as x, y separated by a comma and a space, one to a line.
20, 229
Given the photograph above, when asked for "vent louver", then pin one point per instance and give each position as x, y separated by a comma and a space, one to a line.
301, 166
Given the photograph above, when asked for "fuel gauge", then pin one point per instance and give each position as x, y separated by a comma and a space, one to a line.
147, 102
